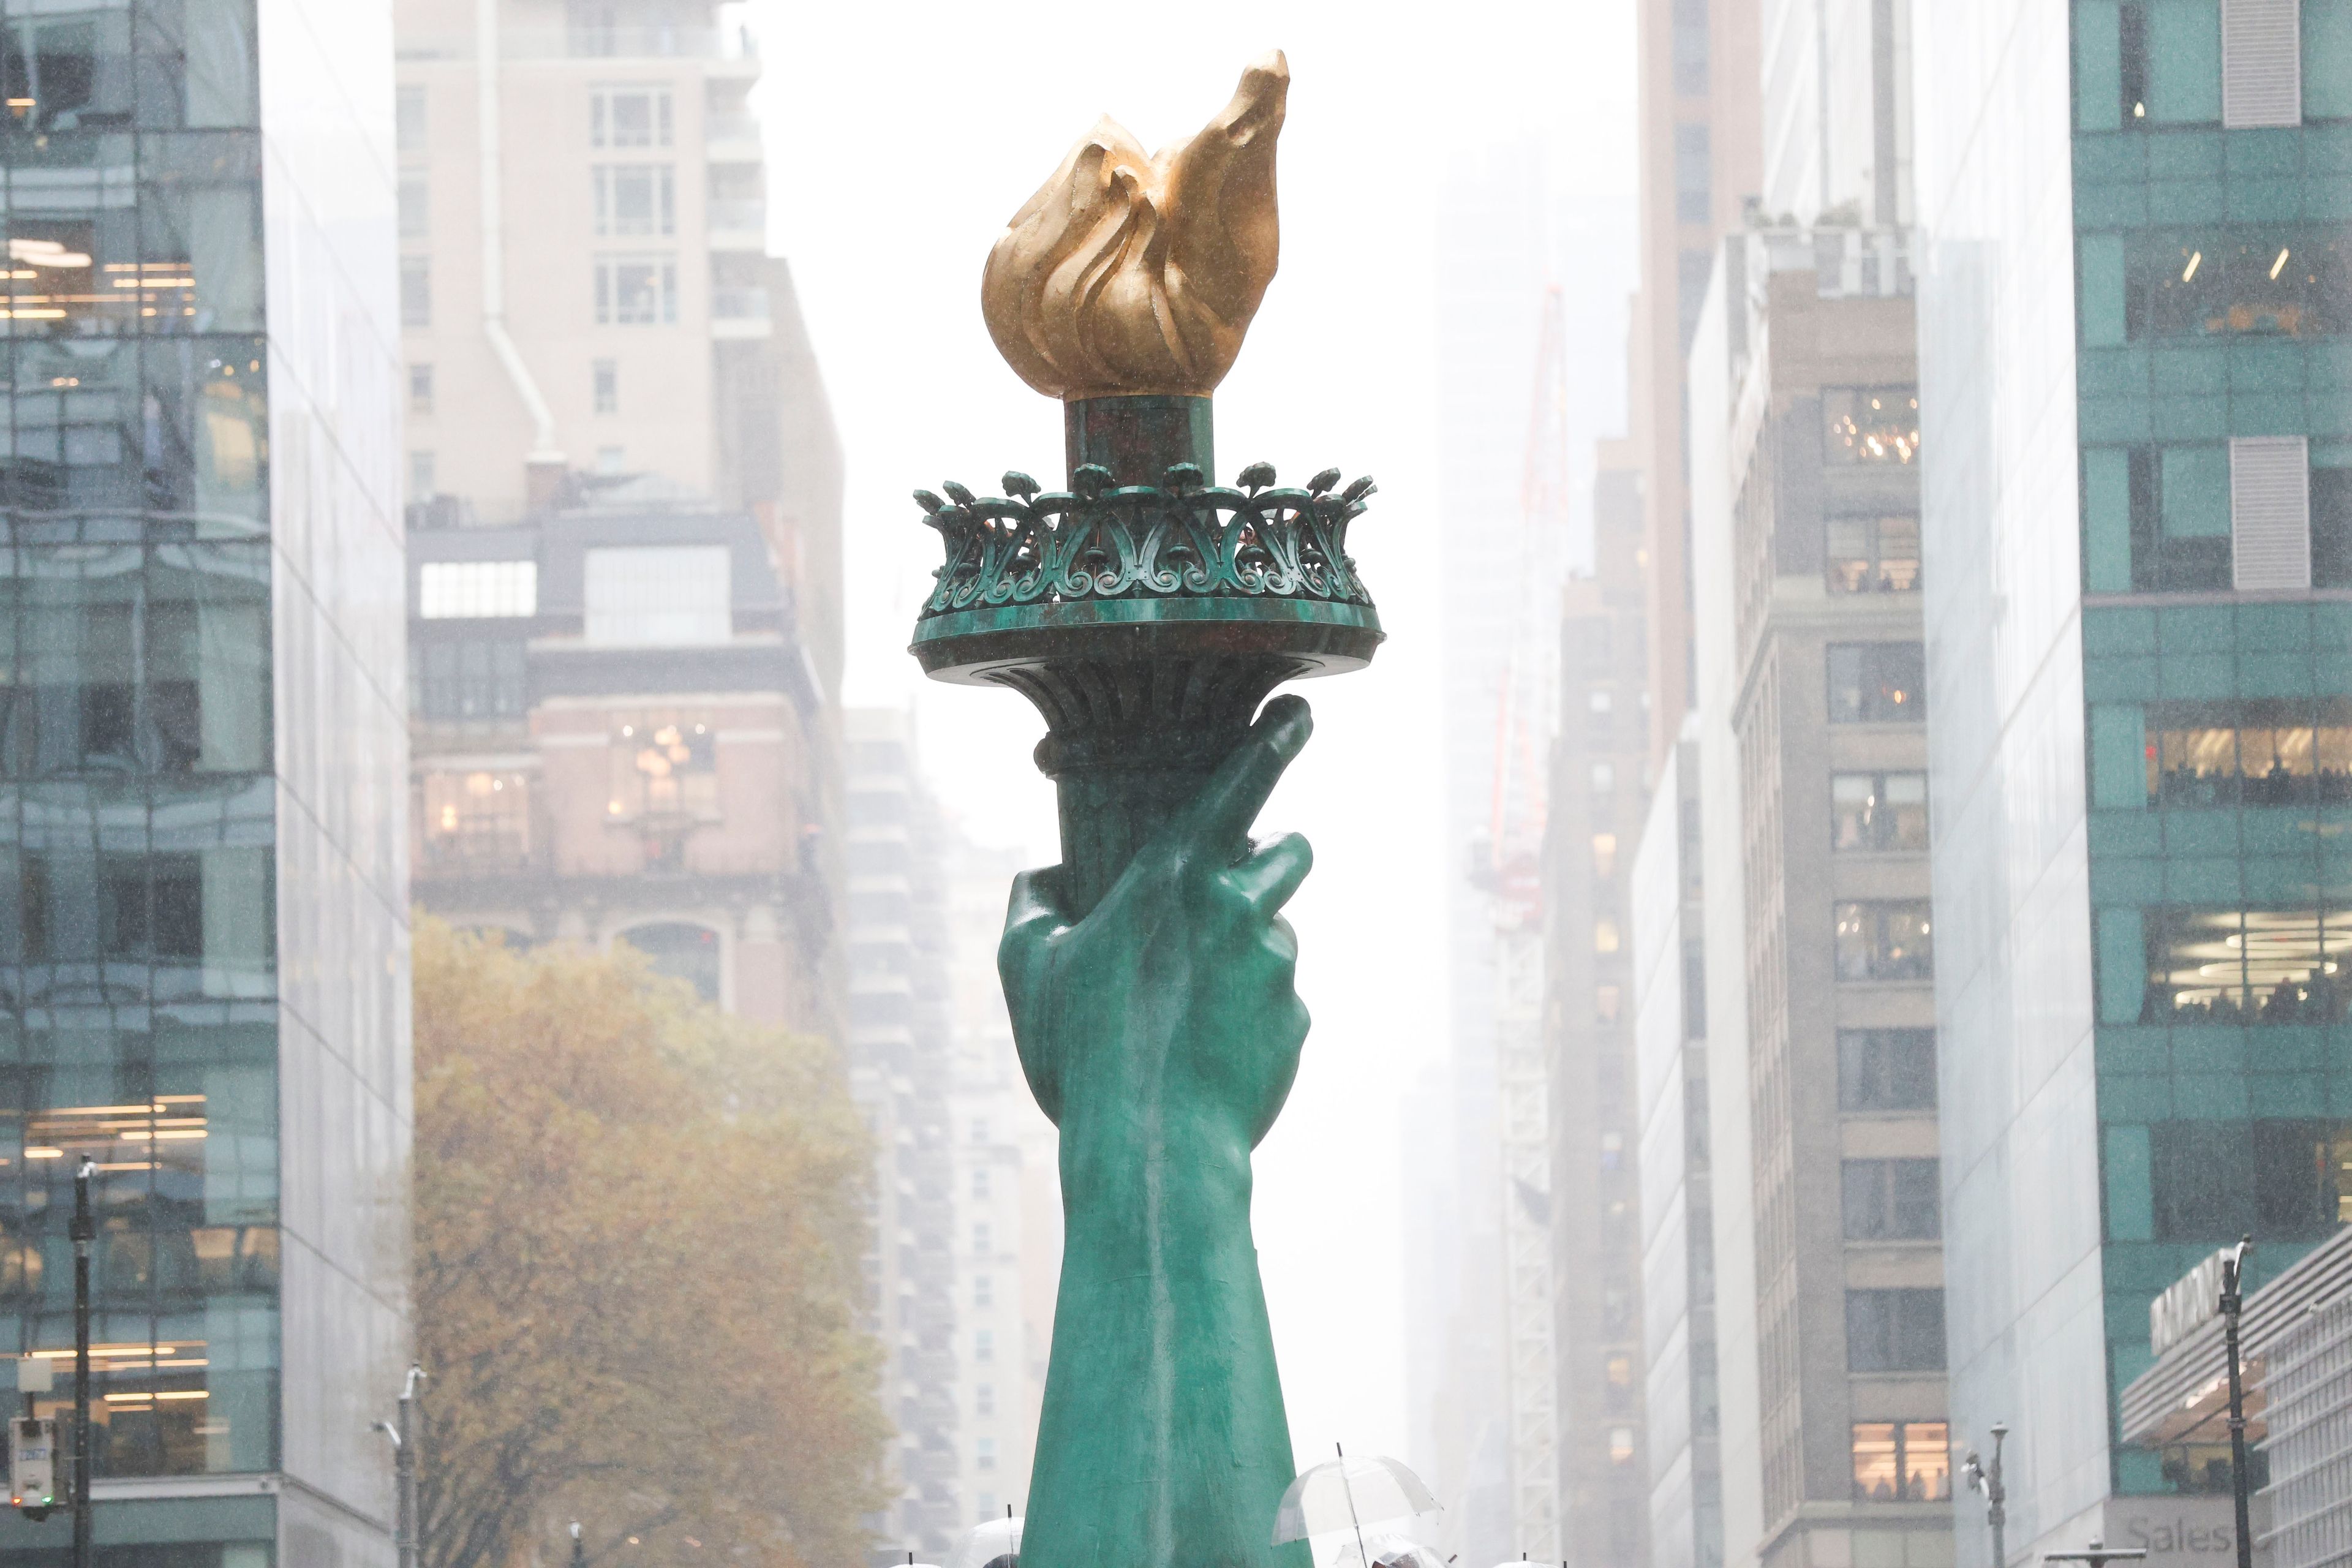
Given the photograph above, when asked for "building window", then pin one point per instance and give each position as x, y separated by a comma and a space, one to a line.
983, 1450
627, 117
1604, 935
980, 1238
983, 1399
983, 1290
984, 1345
1888, 939
635, 291
476, 821
1606, 1001
470, 679
665, 768
1604, 856
1874, 555
475, 590
1690, 42
612, 460
979, 1181
2233, 966
2209, 1182
1877, 683
1887, 1070
1693, 174
1620, 1444
420, 389
605, 378
682, 952
1599, 703
1874, 812
2199, 756
416, 292
1894, 1331
2284, 282
421, 478
1902, 1461
415, 198
988, 1508
633, 200
676, 596
980, 1130
1892, 1200
409, 124
1870, 425
1604, 778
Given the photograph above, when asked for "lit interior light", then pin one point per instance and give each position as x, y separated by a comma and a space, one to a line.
45, 253
2279, 264
45, 1153
2195, 258
2140, 111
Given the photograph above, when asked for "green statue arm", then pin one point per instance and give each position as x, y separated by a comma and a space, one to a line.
1161, 1033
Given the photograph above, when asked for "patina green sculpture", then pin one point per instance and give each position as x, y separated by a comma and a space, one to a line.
1149, 612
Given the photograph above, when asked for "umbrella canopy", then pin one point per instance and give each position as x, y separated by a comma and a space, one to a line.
1350, 1493
990, 1542
1389, 1549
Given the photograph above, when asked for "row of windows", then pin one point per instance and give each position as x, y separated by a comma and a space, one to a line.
627, 292
602, 386
621, 117
114, 425
2219, 756
2209, 1182
117, 659
158, 65
2257, 512
2233, 966
627, 201
2218, 283
2152, 64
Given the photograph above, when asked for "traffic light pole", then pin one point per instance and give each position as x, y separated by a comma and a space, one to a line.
84, 1231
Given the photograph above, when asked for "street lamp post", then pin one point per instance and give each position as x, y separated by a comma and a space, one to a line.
579, 1552
84, 1231
1985, 1478
406, 1533
2233, 1279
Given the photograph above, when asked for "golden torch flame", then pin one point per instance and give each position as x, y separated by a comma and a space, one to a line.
1129, 274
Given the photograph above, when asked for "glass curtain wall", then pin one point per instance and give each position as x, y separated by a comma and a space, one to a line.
138, 966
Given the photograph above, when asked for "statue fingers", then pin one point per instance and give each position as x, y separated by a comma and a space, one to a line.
1272, 874
1219, 818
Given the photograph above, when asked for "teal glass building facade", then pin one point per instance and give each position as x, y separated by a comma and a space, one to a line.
2136, 323
203, 902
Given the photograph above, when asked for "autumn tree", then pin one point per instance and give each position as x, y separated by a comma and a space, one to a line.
638, 1230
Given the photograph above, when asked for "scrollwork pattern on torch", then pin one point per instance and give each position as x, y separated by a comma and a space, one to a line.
1179, 538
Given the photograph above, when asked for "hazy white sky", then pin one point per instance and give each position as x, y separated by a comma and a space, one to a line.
902, 137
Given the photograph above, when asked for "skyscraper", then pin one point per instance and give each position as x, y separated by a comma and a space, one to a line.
2136, 422
204, 981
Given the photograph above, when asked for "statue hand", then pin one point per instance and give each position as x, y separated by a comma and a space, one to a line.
1168, 1012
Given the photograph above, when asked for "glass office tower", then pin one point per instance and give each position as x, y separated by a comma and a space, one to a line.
2137, 391
203, 906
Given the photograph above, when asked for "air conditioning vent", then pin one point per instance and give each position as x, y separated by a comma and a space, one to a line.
2270, 513
2261, 63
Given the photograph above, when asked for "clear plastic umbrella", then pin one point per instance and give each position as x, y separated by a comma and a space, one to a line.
992, 1543
1350, 1494
1389, 1549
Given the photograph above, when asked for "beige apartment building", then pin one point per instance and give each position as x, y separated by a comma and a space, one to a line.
623, 501
1836, 1446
